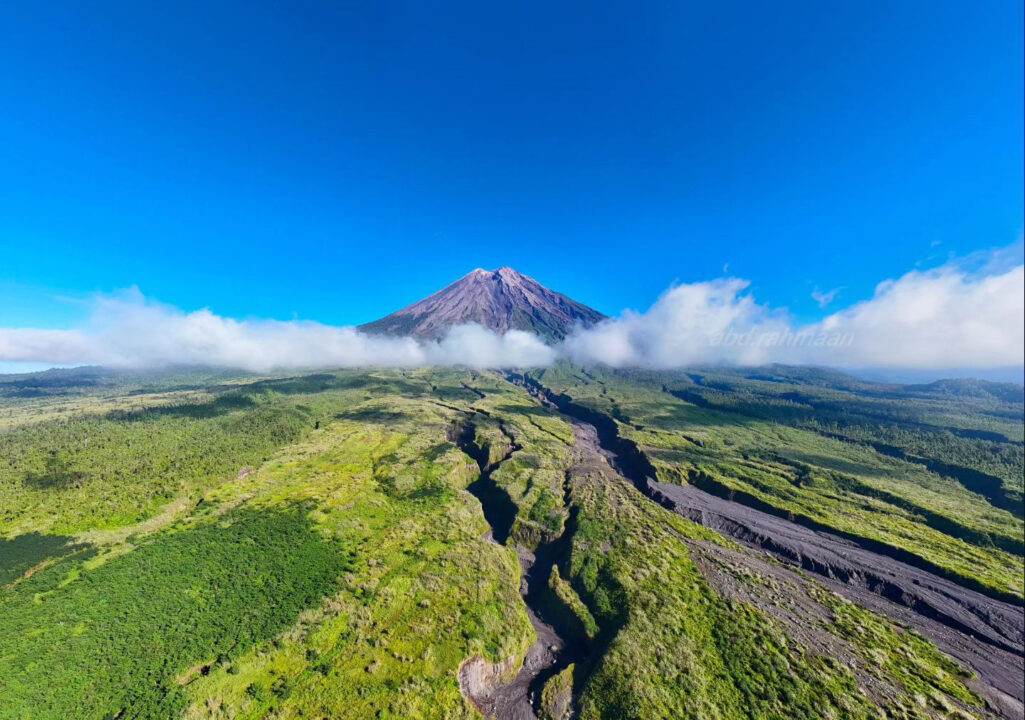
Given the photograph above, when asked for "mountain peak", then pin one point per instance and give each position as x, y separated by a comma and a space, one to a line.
500, 300
505, 273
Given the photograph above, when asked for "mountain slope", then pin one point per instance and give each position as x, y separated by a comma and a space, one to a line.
500, 299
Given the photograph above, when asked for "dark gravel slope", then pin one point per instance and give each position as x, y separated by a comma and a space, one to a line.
983, 633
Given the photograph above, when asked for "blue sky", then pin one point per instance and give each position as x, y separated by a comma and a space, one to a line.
336, 160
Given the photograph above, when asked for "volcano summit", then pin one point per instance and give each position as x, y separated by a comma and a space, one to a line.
500, 300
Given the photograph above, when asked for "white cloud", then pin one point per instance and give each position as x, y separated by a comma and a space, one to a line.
688, 324
825, 298
475, 346
966, 314
944, 318
30, 345
127, 330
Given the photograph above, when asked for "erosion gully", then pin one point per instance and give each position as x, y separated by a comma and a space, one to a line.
983, 631
556, 646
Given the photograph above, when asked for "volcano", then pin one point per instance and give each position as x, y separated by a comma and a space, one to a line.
500, 300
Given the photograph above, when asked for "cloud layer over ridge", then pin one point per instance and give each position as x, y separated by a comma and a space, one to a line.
963, 314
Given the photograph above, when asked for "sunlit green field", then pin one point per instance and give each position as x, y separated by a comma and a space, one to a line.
224, 546
842, 484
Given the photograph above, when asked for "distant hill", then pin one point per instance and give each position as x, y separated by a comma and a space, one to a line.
968, 387
500, 300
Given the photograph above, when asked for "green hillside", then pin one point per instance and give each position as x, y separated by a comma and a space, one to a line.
351, 545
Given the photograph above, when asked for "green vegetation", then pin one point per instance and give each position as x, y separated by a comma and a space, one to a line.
101, 472
676, 649
84, 471
21, 554
110, 639
805, 475
426, 590
532, 476
968, 430
556, 696
904, 656
574, 605
210, 545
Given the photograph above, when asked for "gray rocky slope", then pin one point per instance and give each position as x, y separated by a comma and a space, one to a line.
500, 300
